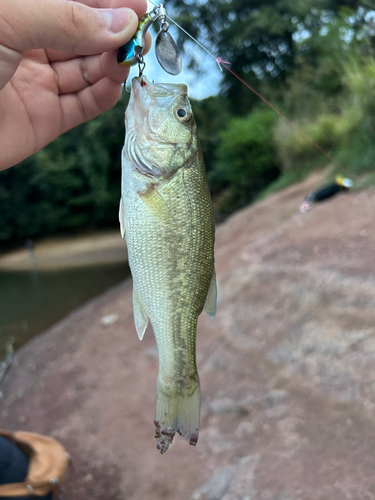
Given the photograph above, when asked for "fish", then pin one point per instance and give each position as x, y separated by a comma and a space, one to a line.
167, 219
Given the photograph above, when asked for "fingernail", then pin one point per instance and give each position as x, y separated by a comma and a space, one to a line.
117, 19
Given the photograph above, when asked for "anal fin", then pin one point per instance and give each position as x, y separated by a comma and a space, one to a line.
140, 316
211, 299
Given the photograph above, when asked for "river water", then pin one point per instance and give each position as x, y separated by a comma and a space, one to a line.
30, 302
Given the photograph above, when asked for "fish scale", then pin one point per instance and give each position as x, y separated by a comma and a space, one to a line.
167, 218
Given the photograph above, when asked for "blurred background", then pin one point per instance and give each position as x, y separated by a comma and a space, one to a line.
287, 366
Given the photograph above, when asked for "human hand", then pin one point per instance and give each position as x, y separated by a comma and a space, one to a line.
58, 67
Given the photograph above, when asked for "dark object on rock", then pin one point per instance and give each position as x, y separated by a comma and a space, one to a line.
341, 184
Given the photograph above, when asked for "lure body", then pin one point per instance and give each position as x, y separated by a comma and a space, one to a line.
127, 55
167, 219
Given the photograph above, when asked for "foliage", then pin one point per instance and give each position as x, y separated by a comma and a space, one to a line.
330, 98
258, 37
347, 132
71, 184
211, 115
246, 161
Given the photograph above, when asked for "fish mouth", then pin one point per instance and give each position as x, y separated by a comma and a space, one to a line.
144, 89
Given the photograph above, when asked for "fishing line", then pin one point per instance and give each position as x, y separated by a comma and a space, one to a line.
299, 130
225, 64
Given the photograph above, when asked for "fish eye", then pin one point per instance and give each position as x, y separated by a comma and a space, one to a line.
183, 114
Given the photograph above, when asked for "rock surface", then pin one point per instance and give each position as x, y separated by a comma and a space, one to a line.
287, 370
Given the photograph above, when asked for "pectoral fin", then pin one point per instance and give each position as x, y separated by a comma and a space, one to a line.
211, 299
140, 316
156, 205
121, 216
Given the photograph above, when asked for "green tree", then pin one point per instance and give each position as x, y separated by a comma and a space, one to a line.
71, 184
246, 160
258, 37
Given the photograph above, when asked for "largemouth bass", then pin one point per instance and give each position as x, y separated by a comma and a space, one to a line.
167, 219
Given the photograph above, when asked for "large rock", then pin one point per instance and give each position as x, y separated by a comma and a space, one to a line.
287, 370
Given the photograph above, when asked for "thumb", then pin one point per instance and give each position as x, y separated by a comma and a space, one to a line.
63, 25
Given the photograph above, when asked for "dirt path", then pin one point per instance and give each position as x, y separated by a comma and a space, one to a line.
287, 370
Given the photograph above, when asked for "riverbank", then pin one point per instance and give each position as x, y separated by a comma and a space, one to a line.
54, 254
287, 370
38, 289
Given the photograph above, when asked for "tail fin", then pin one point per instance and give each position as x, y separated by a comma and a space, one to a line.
177, 410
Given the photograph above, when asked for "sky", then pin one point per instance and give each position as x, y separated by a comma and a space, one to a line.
201, 86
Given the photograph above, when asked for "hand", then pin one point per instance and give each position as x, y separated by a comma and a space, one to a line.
58, 67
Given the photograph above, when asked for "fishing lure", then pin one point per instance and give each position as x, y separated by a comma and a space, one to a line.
166, 50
